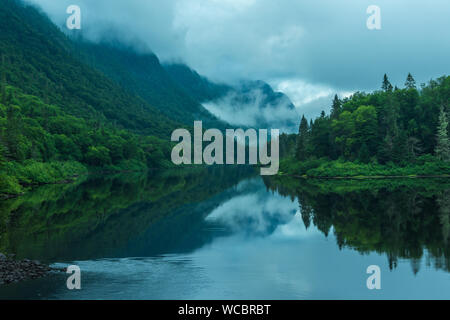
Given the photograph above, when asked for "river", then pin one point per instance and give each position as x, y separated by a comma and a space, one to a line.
230, 234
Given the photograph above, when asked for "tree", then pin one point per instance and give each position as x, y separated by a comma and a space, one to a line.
366, 127
3, 156
336, 107
3, 81
302, 139
443, 143
410, 82
13, 136
387, 86
98, 156
364, 155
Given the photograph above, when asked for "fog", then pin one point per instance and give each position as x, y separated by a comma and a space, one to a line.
323, 44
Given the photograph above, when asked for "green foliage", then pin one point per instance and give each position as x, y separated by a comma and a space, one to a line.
160, 87
15, 175
34, 134
443, 141
324, 168
40, 60
9, 185
302, 140
31, 172
386, 126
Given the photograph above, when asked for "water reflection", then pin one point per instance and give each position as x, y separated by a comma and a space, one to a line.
225, 234
403, 219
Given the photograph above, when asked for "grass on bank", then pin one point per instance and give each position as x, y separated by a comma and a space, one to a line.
324, 168
16, 177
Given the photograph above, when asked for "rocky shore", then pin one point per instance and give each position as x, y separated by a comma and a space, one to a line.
12, 271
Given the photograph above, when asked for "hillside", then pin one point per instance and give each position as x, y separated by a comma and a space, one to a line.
143, 75
254, 101
38, 58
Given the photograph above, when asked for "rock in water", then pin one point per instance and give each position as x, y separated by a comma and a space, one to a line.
2, 257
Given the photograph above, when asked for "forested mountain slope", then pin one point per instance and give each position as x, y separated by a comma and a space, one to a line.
255, 100
143, 75
39, 59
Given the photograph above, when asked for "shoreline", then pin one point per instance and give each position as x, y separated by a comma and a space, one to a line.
69, 180
7, 196
15, 271
367, 177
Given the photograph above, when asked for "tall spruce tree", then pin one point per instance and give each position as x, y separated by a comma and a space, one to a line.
302, 140
336, 107
3, 154
3, 80
410, 82
387, 86
443, 143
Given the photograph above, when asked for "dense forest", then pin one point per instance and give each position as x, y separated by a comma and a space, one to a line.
63, 113
40, 143
390, 131
67, 106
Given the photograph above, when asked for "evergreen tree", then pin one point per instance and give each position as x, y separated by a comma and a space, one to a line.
410, 82
364, 155
302, 140
3, 153
3, 81
387, 86
443, 142
336, 107
13, 132
385, 153
307, 213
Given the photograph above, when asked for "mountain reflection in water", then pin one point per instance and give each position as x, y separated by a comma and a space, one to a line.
229, 234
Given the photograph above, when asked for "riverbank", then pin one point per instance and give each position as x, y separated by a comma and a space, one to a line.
16, 178
424, 167
13, 271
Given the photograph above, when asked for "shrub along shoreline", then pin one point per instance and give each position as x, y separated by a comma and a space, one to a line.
426, 166
17, 177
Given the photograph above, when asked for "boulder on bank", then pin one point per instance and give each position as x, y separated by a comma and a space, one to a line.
12, 271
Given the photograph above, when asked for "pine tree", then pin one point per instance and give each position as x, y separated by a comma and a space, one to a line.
3, 81
443, 142
3, 154
410, 82
336, 107
387, 86
302, 140
364, 154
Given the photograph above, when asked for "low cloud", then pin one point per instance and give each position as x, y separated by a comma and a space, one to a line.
326, 43
252, 109
310, 99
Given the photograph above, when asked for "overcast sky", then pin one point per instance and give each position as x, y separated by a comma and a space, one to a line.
310, 49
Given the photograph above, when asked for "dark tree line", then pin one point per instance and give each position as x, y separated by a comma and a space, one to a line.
390, 125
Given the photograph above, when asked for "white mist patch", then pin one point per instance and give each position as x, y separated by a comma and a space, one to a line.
310, 99
255, 213
253, 110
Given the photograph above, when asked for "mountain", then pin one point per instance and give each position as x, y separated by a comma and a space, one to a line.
143, 75
248, 103
41, 60
197, 86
